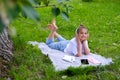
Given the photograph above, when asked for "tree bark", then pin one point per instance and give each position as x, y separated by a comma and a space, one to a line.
6, 45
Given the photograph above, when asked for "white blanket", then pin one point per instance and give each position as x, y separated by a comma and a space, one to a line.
62, 61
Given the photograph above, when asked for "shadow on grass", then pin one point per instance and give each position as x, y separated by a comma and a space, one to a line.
71, 71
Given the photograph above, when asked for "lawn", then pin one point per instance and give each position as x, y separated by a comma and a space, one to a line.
102, 18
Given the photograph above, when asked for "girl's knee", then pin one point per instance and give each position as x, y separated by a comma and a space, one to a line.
49, 41
61, 38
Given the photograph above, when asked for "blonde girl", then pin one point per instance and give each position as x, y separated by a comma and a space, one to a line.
77, 46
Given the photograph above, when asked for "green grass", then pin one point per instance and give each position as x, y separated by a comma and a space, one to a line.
103, 21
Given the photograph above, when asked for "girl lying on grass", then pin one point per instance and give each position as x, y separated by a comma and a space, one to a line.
76, 46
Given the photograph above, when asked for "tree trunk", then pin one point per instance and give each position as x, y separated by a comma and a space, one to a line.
6, 45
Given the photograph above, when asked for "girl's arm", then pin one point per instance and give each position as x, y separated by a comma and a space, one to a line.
79, 50
79, 47
86, 48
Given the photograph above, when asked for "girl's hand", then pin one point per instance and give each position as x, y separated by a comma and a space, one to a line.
77, 38
84, 42
87, 36
86, 48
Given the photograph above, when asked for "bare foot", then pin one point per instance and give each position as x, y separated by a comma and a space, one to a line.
54, 21
54, 24
52, 27
49, 26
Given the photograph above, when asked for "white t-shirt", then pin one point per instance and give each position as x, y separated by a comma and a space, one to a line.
71, 47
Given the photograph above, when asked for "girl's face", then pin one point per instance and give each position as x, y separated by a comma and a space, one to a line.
83, 34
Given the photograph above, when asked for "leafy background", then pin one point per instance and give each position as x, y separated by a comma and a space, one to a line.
101, 17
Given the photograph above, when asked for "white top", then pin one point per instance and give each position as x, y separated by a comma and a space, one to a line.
71, 47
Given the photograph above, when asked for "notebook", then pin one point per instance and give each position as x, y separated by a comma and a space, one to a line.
69, 58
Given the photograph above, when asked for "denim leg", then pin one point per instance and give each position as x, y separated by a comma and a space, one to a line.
61, 45
61, 39
49, 41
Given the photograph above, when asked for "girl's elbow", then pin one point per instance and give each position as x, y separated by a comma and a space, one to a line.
79, 55
87, 52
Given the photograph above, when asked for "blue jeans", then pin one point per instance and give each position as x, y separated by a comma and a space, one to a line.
60, 45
